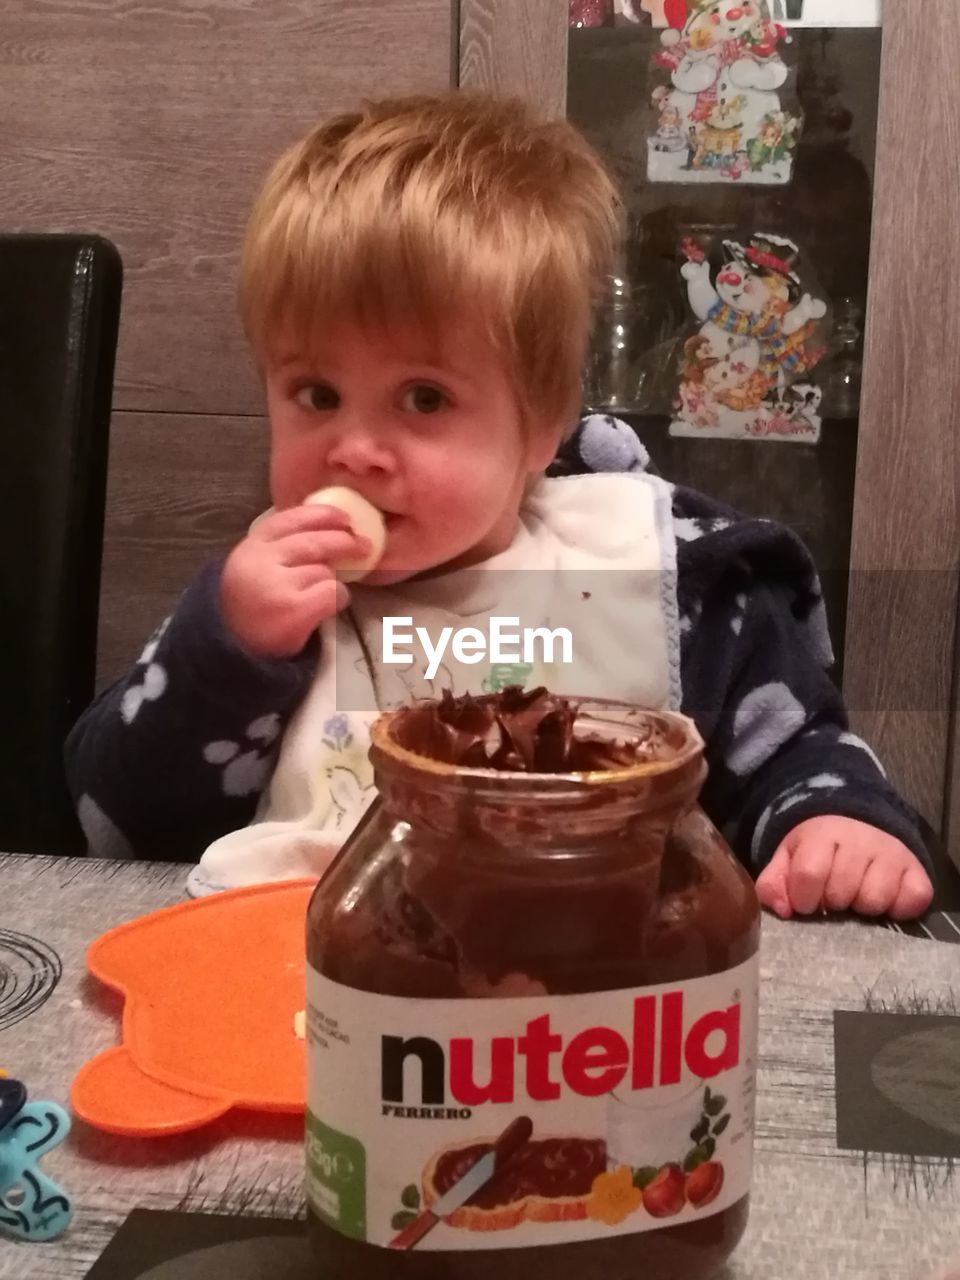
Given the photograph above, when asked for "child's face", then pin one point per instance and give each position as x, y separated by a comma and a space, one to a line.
434, 438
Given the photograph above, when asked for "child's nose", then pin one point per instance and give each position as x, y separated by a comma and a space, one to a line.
359, 451
731, 278
734, 15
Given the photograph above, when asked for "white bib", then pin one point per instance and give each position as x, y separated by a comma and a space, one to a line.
594, 557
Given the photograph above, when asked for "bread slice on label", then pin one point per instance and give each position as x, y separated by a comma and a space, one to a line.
549, 1180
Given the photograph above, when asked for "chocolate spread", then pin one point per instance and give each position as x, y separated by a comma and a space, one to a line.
549, 1168
528, 731
526, 845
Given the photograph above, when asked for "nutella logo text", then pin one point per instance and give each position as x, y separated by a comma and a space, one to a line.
506, 643
539, 1064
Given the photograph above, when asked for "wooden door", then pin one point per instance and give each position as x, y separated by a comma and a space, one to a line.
906, 534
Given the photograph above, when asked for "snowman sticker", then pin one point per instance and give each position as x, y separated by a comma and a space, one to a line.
720, 118
744, 373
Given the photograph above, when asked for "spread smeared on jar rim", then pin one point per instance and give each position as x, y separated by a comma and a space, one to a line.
524, 731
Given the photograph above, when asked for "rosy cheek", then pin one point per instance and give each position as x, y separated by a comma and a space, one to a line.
294, 460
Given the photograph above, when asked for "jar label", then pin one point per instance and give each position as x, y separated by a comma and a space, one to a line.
618, 1112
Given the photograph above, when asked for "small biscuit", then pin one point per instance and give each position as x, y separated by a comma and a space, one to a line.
365, 521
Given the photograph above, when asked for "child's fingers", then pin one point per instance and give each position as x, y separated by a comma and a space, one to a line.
811, 861
325, 598
323, 548
303, 576
303, 519
878, 890
914, 895
847, 875
772, 884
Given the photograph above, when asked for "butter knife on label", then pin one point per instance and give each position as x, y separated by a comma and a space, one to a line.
516, 1135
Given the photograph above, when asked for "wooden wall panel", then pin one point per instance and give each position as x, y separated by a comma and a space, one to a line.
906, 538
951, 824
516, 47
154, 123
182, 489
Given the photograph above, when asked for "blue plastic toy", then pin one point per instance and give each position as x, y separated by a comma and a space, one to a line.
32, 1206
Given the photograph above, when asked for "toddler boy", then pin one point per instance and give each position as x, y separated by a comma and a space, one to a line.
417, 284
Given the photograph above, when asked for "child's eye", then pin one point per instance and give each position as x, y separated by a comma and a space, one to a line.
423, 398
318, 395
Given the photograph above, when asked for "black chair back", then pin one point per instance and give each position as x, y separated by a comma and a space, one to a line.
59, 315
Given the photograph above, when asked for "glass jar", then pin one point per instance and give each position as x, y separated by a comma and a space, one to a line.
615, 377
548, 959
841, 374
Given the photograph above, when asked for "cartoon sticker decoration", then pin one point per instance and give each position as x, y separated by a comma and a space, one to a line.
719, 117
745, 371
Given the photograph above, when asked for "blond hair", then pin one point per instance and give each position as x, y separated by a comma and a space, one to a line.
422, 210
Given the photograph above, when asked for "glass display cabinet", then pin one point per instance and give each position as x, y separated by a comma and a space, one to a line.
732, 335
777, 331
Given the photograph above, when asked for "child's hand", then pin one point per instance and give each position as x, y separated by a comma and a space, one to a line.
839, 864
277, 584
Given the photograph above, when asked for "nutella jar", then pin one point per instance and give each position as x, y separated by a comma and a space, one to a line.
532, 1004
